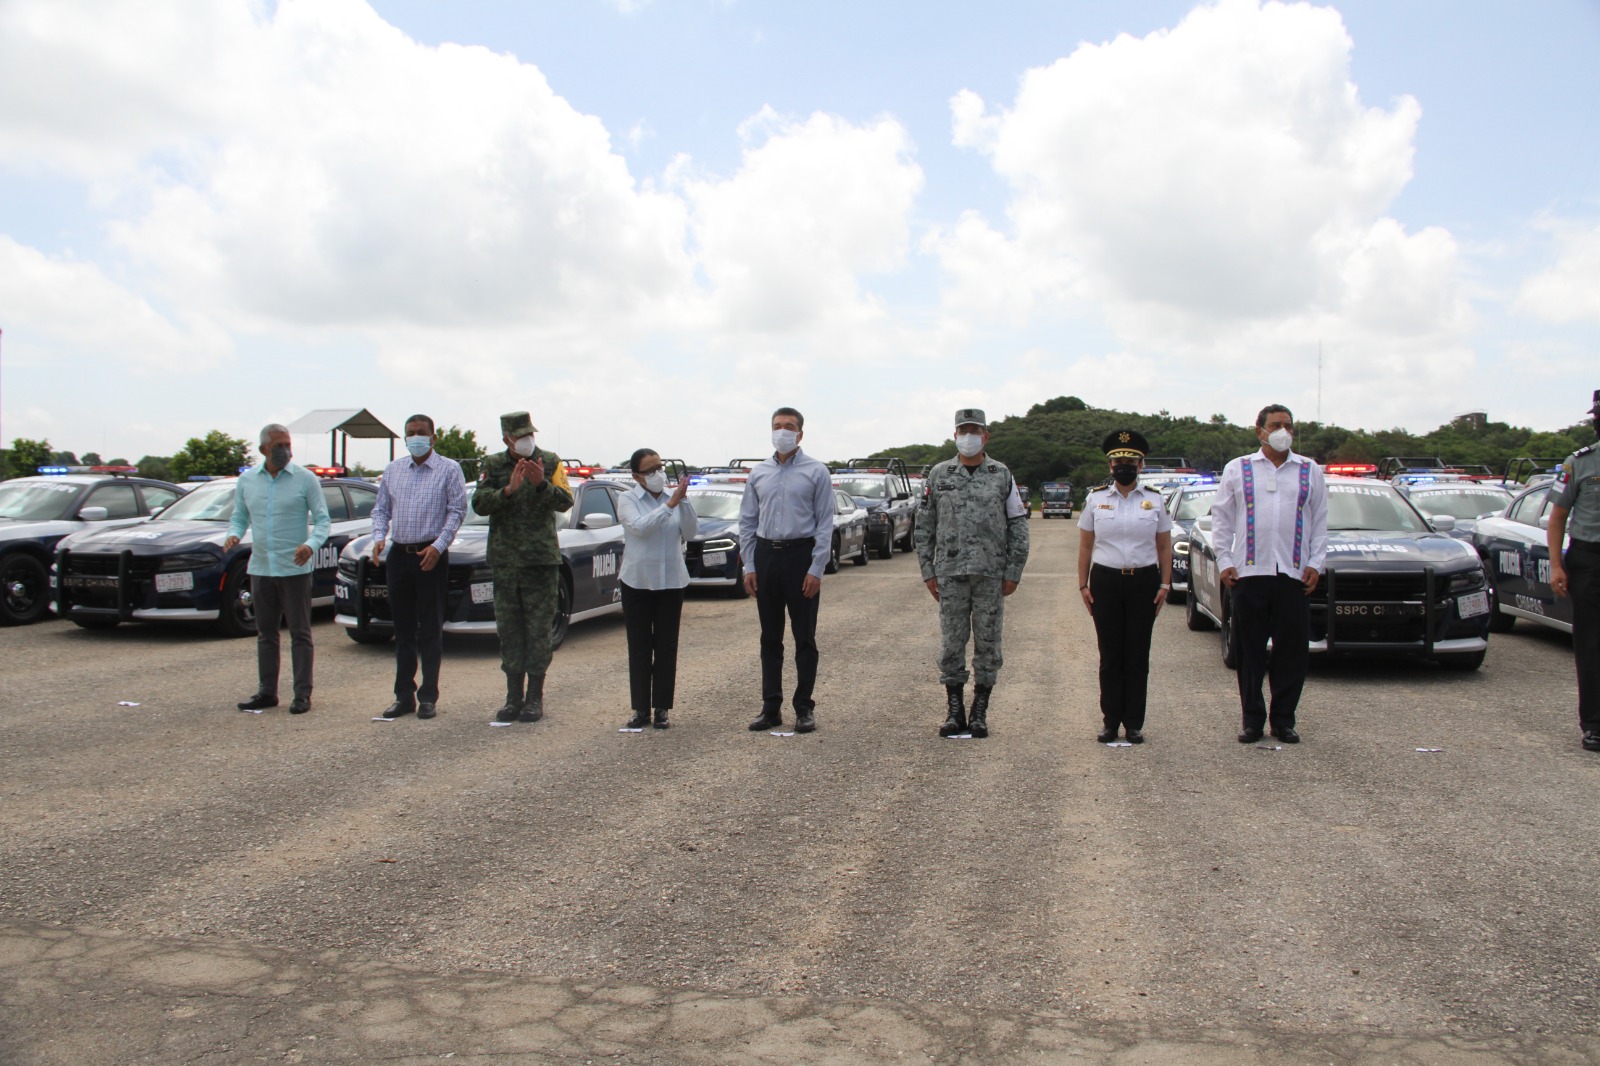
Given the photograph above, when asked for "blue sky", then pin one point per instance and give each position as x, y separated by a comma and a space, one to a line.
651, 222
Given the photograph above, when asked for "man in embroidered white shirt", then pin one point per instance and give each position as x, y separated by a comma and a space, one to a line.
1270, 526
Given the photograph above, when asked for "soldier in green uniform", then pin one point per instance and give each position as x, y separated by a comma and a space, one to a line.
1575, 508
520, 491
972, 542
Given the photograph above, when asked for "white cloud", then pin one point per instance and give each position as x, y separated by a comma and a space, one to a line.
1569, 290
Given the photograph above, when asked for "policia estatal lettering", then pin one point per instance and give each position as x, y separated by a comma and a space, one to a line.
1576, 496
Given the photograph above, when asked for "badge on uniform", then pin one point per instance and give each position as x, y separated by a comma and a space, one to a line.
1147, 506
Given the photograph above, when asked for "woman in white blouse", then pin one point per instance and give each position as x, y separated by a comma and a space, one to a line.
653, 576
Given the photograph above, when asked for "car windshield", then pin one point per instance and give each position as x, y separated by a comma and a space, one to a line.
1055, 495
715, 503
35, 501
211, 502
1358, 507
1461, 503
872, 489
1195, 504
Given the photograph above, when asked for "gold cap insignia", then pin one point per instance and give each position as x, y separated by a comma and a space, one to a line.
1124, 436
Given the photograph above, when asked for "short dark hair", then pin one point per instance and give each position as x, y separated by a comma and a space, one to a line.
1272, 409
421, 418
790, 411
638, 457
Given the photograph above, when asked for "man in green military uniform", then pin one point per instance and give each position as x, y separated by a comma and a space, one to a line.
1576, 495
972, 542
520, 491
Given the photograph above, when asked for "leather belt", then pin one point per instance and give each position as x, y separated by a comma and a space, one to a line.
1127, 571
414, 549
804, 542
1577, 545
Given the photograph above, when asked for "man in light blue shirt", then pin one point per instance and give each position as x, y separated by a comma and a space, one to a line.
276, 503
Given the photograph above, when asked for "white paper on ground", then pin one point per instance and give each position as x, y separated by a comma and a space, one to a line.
626, 729
380, 718
1120, 744
959, 736
126, 703
252, 710
498, 724
775, 733
1430, 751
1269, 747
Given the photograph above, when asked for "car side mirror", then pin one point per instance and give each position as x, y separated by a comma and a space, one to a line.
1544, 521
1442, 523
597, 520
902, 495
1203, 522
94, 514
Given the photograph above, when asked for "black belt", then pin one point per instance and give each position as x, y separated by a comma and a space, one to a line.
804, 542
1583, 545
1127, 571
414, 549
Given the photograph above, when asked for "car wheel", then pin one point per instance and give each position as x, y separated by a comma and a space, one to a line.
24, 589
862, 557
833, 558
238, 617
96, 623
1499, 621
563, 619
1463, 663
1191, 614
1230, 638
368, 636
887, 551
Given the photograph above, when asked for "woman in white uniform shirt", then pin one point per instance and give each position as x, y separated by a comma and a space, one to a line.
653, 579
1124, 575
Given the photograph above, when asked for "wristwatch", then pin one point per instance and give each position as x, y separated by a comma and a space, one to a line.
1167, 585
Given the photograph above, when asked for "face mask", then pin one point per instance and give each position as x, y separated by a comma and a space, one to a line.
655, 481
969, 444
1280, 439
1125, 473
785, 440
523, 446
280, 455
419, 446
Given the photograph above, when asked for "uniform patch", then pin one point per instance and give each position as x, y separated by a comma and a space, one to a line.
1147, 506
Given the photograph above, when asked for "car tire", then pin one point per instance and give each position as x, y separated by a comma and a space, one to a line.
832, 566
24, 589
96, 623
863, 557
887, 551
1462, 663
563, 619
368, 636
1230, 638
1191, 614
238, 611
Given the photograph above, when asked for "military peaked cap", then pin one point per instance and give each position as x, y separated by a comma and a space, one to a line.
1125, 444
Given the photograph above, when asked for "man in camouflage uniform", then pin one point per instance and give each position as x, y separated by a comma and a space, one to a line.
520, 491
1575, 509
972, 542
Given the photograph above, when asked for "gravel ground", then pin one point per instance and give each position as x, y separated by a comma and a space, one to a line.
1349, 883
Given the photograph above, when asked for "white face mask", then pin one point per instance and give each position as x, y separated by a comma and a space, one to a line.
1280, 439
969, 444
785, 440
655, 481
523, 446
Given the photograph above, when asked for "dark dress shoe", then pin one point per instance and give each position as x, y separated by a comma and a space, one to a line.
531, 712
1287, 735
661, 718
1135, 736
768, 720
639, 720
299, 706
804, 722
426, 710
1106, 735
508, 713
258, 702
1249, 736
397, 709
1591, 741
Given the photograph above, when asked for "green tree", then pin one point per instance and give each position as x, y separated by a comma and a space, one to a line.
65, 458
155, 466
459, 444
91, 459
216, 454
27, 456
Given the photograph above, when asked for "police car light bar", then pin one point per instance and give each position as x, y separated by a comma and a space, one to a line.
1352, 469
57, 471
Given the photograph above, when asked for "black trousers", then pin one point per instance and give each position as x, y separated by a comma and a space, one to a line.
1124, 615
652, 617
416, 602
1583, 577
280, 599
779, 574
1275, 607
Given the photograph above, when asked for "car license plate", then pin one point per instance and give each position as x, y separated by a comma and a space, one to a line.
1473, 604
714, 559
175, 582
483, 592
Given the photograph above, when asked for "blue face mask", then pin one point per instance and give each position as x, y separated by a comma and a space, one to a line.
419, 446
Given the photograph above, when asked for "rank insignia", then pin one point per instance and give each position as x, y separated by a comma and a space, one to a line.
1147, 506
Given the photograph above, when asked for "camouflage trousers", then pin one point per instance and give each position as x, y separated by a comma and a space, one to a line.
525, 603
970, 603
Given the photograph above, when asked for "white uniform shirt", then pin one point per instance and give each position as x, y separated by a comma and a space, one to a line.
652, 554
1125, 527
1277, 535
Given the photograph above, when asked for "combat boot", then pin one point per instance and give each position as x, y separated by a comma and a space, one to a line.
513, 706
978, 717
533, 706
956, 723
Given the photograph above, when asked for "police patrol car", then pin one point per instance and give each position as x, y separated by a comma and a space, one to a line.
1392, 585
591, 563
1516, 554
883, 488
1190, 501
172, 568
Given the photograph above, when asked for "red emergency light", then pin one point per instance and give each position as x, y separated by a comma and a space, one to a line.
1352, 469
327, 471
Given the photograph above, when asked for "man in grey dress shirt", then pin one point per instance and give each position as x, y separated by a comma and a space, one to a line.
785, 534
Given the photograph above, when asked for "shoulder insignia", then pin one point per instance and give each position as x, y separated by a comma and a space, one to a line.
1586, 450
560, 478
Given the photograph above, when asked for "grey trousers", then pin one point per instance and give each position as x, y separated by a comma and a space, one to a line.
277, 599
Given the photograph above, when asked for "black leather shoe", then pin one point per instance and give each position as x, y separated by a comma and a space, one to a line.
1287, 735
804, 722
639, 720
258, 702
1249, 736
508, 713
661, 718
1135, 736
300, 706
768, 720
396, 709
532, 711
1591, 741
1106, 735
426, 710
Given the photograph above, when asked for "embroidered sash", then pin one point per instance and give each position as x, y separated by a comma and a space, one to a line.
1247, 472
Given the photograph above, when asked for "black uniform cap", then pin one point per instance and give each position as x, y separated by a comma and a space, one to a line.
1595, 409
1125, 443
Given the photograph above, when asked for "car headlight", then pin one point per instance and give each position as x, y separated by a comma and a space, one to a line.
189, 561
348, 565
1180, 547
721, 545
1466, 581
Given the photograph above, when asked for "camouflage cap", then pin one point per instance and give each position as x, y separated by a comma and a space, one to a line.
517, 424
971, 416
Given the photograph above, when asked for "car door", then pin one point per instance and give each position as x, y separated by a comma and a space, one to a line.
1540, 594
1512, 544
594, 555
